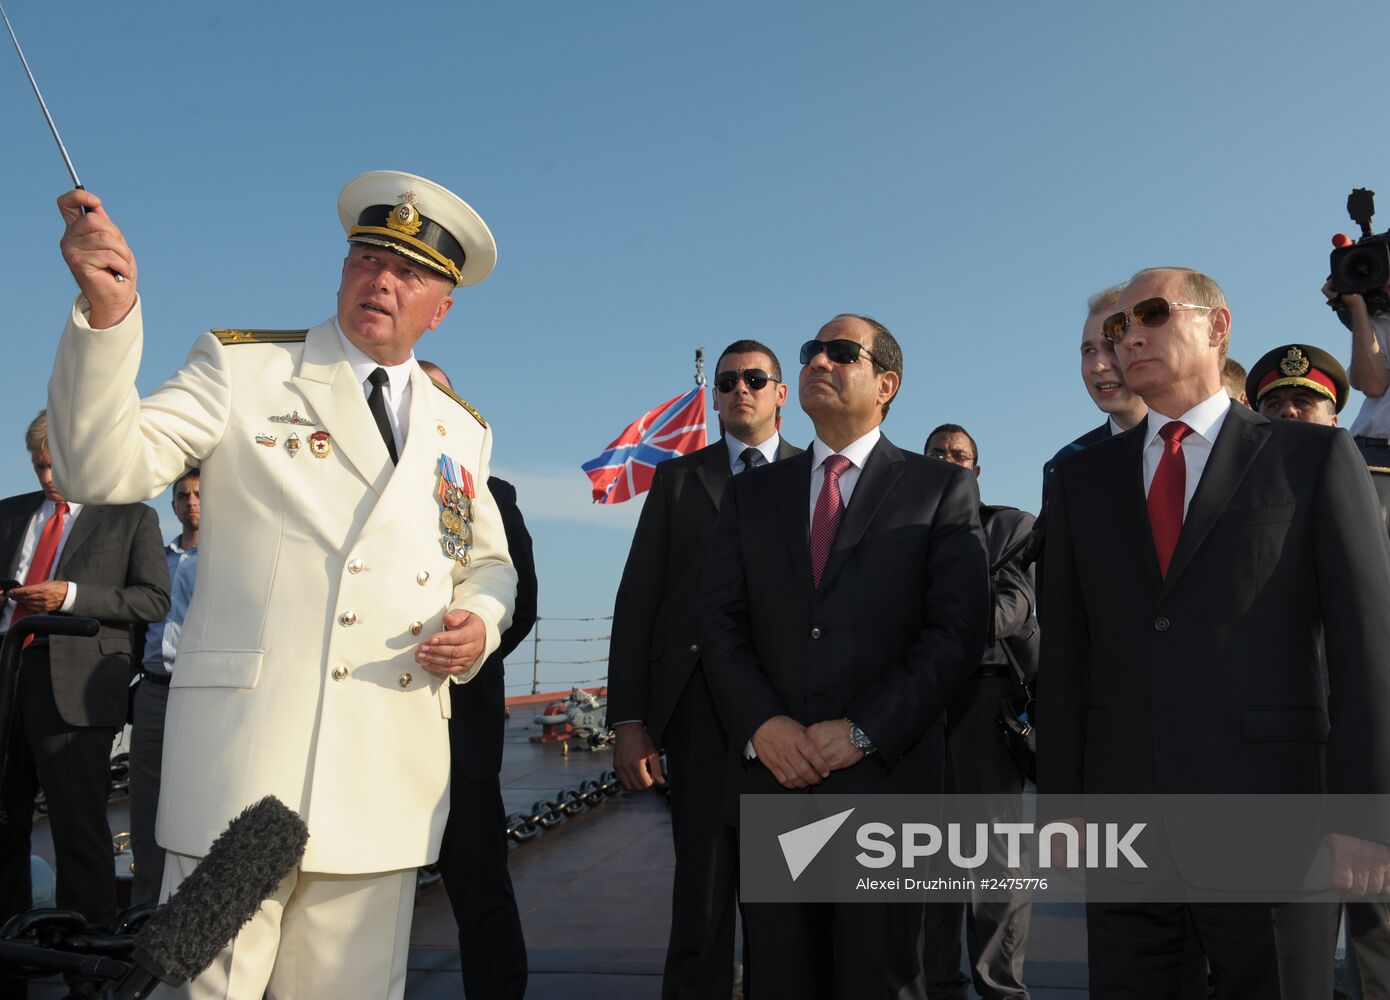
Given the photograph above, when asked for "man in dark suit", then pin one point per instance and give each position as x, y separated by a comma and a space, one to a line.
657, 692
1104, 381
102, 562
978, 762
473, 854
845, 602
1182, 653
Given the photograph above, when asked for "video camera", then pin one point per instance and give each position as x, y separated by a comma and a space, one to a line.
1363, 267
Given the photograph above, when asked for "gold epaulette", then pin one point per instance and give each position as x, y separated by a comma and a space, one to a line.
259, 336
460, 400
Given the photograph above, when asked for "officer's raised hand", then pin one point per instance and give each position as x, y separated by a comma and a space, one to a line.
95, 252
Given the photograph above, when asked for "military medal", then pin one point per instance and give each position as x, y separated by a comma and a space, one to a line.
320, 446
292, 445
455, 495
267, 440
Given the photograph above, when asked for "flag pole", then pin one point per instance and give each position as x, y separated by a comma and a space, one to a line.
699, 366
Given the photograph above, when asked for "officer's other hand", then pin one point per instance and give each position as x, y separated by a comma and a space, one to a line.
831, 738
94, 248
1359, 867
455, 648
784, 748
41, 597
635, 757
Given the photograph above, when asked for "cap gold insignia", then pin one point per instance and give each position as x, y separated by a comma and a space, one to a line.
1294, 364
405, 218
320, 446
292, 445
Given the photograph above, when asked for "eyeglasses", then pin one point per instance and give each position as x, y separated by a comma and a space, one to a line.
754, 378
952, 454
842, 352
1152, 313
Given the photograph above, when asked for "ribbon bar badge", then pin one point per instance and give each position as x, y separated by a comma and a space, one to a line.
455, 495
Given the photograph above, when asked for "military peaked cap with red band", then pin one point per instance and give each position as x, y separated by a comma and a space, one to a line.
1298, 365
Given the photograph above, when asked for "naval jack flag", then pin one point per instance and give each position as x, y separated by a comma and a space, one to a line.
676, 427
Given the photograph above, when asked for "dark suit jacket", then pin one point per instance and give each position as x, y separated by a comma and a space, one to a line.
116, 558
1094, 436
653, 649
897, 624
1013, 591
478, 713
1210, 680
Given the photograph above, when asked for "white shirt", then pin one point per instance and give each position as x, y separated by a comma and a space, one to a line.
737, 447
1205, 419
31, 542
396, 391
856, 451
1373, 419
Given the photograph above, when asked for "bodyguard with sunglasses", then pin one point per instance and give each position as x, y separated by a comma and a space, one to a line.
844, 601
1195, 566
657, 692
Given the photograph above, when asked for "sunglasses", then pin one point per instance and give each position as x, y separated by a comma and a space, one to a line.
754, 378
842, 352
1152, 313
947, 454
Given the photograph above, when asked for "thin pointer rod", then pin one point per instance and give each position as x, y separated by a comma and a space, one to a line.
72, 171
43, 105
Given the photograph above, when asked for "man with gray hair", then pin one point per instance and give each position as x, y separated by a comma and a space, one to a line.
1184, 625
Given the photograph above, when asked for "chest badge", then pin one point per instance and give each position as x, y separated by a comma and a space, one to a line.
320, 444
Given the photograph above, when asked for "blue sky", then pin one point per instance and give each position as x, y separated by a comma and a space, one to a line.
662, 177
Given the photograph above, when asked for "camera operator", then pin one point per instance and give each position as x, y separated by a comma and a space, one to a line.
1369, 372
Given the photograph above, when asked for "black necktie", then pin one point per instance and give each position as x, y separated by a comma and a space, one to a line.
752, 458
376, 402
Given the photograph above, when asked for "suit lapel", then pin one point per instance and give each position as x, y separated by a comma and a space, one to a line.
793, 503
88, 520
332, 391
882, 469
419, 459
786, 450
1133, 504
1242, 436
713, 471
13, 527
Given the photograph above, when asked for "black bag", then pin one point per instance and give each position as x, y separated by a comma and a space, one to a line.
1015, 717
1016, 720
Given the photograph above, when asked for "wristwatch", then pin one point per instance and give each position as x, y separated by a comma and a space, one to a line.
857, 737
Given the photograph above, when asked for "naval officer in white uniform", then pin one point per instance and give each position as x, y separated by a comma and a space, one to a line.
352, 566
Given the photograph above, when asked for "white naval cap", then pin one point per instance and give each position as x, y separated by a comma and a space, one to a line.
419, 219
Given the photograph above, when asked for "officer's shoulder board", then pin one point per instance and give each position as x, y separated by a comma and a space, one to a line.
460, 400
260, 336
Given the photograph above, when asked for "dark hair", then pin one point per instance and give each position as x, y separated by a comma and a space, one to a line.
888, 355
193, 473
954, 429
751, 347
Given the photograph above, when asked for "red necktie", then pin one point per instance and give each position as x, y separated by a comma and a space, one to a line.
1166, 493
825, 522
41, 566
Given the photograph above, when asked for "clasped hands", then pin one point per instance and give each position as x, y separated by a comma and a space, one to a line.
801, 756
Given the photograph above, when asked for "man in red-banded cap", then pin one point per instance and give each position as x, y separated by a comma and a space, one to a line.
1298, 382
355, 567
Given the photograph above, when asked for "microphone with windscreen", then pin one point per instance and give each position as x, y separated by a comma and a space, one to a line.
242, 868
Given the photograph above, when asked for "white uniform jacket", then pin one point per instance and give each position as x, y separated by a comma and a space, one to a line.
318, 574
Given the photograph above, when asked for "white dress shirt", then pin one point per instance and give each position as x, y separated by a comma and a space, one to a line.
31, 542
396, 391
1205, 419
856, 451
737, 447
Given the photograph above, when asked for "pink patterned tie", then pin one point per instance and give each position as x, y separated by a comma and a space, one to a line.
826, 520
